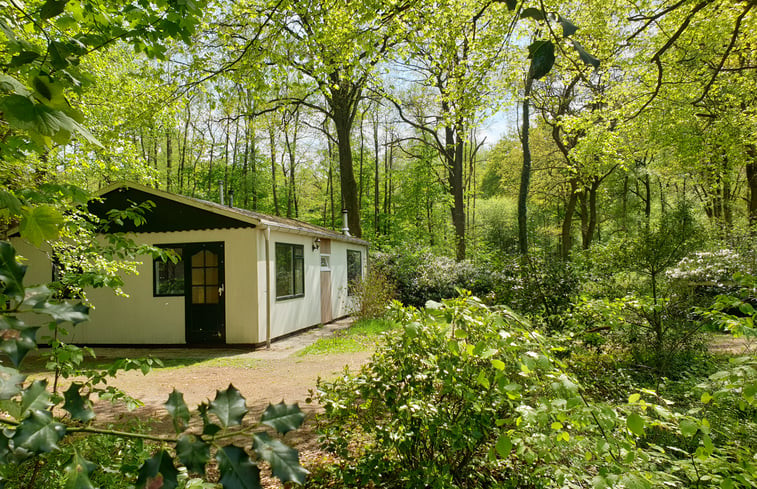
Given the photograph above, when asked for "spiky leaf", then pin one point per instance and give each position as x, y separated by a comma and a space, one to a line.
229, 406
208, 428
11, 273
17, 341
10, 382
542, 54
63, 311
35, 397
178, 410
284, 460
283, 417
38, 433
193, 453
79, 407
77, 473
158, 472
236, 468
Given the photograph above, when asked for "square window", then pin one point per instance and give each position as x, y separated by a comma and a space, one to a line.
290, 270
169, 275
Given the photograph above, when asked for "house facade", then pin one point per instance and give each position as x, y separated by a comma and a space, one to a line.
240, 277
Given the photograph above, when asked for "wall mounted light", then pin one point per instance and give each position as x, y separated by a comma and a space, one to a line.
316, 244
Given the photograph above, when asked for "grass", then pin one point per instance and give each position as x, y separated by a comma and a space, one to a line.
361, 336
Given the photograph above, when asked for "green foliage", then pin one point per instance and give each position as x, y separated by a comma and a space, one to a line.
363, 335
34, 431
372, 294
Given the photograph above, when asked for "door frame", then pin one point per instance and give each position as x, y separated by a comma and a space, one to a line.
188, 250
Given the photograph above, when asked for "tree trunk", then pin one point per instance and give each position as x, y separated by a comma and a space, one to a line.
272, 137
169, 157
751, 178
567, 223
342, 116
455, 155
376, 178
525, 174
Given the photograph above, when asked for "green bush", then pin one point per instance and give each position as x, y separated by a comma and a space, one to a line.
372, 295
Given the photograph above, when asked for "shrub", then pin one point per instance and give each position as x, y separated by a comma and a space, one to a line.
372, 295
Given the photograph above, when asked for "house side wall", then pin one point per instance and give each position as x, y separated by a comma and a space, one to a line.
289, 315
341, 303
142, 318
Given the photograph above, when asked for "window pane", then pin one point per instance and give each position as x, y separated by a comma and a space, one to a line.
354, 270
198, 276
211, 259
211, 276
211, 295
299, 276
198, 259
290, 270
198, 295
169, 276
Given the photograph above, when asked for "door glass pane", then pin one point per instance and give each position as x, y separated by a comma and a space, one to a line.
211, 295
198, 259
198, 276
198, 295
211, 259
211, 276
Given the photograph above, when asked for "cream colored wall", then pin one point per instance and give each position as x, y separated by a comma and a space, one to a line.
291, 315
144, 319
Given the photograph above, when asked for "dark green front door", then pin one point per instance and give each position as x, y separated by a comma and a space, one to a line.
205, 294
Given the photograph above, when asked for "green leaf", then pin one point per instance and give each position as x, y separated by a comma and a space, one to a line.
504, 446
24, 58
10, 382
64, 311
79, 407
52, 8
283, 417
229, 407
193, 453
284, 460
77, 473
10, 84
542, 54
532, 13
706, 398
688, 427
635, 424
498, 364
11, 273
568, 27
585, 56
17, 341
40, 223
236, 468
158, 472
38, 433
35, 397
10, 202
178, 410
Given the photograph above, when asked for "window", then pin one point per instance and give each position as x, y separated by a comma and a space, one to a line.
168, 277
325, 263
290, 271
354, 270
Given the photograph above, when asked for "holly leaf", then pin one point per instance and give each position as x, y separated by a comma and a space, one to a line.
63, 311
542, 54
236, 468
208, 428
38, 433
77, 473
35, 397
79, 407
193, 453
17, 341
178, 410
10, 382
635, 423
283, 417
158, 472
585, 56
284, 460
40, 223
229, 406
11, 273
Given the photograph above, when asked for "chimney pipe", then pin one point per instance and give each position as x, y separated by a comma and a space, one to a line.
345, 225
220, 190
231, 197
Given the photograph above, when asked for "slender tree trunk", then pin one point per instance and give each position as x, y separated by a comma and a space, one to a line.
272, 138
360, 172
525, 174
182, 161
751, 178
169, 157
376, 177
567, 223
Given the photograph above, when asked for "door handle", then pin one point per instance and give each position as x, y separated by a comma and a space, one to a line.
221, 290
